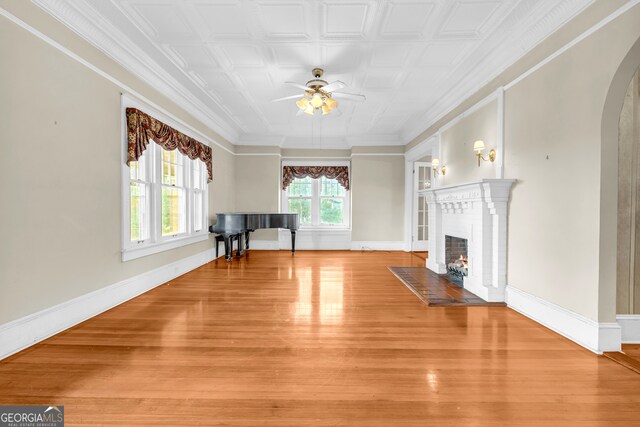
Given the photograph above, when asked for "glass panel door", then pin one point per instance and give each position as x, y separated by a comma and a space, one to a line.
422, 181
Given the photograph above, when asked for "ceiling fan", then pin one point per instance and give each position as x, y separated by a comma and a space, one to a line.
319, 95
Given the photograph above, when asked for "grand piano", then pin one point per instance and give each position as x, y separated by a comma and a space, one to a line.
238, 226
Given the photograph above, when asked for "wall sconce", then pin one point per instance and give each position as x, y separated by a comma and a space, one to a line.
478, 147
434, 165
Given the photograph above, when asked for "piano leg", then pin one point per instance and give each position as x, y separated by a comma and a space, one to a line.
240, 251
293, 242
228, 247
246, 240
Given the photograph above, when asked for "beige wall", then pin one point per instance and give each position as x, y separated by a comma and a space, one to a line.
377, 198
553, 136
60, 171
457, 146
257, 187
377, 187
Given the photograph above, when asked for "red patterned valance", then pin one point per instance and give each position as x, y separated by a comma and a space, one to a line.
141, 127
339, 173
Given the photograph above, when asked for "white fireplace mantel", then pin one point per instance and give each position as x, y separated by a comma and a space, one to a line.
475, 211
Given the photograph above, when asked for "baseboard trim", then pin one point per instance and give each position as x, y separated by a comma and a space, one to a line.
316, 240
377, 246
597, 337
29, 330
630, 324
264, 245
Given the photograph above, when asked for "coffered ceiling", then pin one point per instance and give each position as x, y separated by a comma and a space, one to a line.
225, 60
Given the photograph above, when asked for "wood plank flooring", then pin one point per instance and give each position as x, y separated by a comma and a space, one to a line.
322, 338
629, 357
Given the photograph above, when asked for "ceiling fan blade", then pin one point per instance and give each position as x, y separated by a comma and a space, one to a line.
286, 97
337, 85
298, 85
349, 97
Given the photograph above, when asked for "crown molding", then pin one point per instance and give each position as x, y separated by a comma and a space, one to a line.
113, 43
324, 142
537, 19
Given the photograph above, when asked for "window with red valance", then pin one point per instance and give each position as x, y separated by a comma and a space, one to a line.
339, 173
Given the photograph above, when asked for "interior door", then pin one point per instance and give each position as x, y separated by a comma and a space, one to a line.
420, 229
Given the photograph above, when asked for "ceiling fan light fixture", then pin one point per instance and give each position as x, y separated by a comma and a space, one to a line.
331, 103
302, 103
325, 110
309, 109
316, 100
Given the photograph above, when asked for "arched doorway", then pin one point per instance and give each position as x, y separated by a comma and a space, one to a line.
609, 177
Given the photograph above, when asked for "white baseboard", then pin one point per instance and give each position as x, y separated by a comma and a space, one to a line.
597, 337
377, 246
264, 245
314, 239
630, 324
26, 331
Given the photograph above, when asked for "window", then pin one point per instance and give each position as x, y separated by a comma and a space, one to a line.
320, 202
167, 202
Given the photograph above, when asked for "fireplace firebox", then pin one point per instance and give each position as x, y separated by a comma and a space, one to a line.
456, 256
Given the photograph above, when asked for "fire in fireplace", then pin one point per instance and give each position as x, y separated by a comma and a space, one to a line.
456, 259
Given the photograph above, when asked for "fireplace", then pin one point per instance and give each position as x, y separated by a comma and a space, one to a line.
475, 213
456, 258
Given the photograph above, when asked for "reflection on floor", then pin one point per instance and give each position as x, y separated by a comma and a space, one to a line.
319, 338
435, 290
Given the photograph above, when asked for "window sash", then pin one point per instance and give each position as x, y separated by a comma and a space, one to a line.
192, 185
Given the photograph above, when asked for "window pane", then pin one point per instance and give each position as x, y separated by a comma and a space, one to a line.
198, 174
198, 198
139, 203
137, 170
331, 188
303, 207
301, 187
331, 211
173, 211
172, 164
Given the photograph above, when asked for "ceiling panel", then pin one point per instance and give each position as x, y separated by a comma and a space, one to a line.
239, 56
406, 19
346, 19
193, 56
285, 20
390, 55
225, 60
161, 21
222, 20
443, 53
467, 18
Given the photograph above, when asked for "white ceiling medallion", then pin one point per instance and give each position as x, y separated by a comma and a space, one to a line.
225, 60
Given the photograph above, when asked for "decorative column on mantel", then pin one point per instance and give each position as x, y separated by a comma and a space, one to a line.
475, 211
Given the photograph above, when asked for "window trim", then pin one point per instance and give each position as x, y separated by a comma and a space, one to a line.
284, 195
157, 243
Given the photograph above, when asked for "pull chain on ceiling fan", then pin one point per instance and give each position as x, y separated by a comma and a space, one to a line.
319, 95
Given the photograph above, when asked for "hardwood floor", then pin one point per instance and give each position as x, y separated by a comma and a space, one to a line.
322, 338
629, 357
